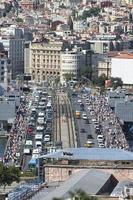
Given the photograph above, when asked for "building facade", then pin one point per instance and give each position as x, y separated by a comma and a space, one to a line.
44, 60
122, 67
16, 55
71, 62
124, 111
5, 69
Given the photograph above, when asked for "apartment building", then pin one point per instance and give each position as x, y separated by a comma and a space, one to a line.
5, 69
104, 67
43, 62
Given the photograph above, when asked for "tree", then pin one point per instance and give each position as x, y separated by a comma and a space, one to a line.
68, 76
116, 82
100, 81
19, 20
86, 71
8, 175
81, 195
91, 12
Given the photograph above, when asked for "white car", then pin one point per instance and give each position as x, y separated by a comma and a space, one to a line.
100, 138
101, 145
46, 138
84, 116
79, 101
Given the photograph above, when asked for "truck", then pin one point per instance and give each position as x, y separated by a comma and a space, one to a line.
77, 114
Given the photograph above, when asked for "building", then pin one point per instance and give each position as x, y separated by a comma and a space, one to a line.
7, 113
115, 97
16, 55
122, 67
58, 166
5, 70
105, 43
104, 67
124, 111
13, 96
91, 181
71, 62
50, 59
44, 60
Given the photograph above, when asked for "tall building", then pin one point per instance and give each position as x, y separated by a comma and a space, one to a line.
16, 55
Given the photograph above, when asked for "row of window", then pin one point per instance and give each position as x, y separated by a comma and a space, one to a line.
46, 60
46, 51
46, 72
46, 66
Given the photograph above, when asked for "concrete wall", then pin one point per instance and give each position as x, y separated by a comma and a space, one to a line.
57, 174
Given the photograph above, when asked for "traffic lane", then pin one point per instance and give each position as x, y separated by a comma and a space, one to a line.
80, 124
89, 128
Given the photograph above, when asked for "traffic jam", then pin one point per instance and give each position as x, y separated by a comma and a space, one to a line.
39, 126
105, 129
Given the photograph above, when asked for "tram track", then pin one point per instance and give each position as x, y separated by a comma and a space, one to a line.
64, 126
69, 118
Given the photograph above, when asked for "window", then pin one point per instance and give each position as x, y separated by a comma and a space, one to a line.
69, 172
2, 62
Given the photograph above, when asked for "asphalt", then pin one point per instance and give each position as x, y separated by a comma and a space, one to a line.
80, 123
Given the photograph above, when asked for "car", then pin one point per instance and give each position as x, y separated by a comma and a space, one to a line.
79, 101
94, 120
87, 121
82, 130
84, 116
47, 138
100, 138
101, 145
89, 137
29, 130
89, 144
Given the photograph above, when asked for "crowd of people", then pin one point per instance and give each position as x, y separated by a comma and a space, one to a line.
109, 123
17, 134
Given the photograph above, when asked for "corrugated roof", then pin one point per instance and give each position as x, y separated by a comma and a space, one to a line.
108, 154
119, 188
90, 181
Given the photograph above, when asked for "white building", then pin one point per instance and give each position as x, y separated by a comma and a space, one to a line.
122, 67
79, 25
71, 62
5, 70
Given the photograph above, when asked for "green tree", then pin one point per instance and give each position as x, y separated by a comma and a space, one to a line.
91, 12
116, 82
8, 175
68, 76
19, 20
100, 81
86, 71
81, 195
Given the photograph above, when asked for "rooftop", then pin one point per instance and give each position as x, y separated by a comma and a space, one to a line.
91, 181
97, 154
124, 55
